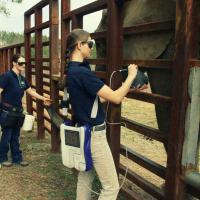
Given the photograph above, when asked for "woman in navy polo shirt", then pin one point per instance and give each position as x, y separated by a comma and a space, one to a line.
12, 87
84, 87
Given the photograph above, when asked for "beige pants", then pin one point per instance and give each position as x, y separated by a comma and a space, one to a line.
104, 167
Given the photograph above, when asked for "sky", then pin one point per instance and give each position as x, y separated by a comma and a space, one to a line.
15, 22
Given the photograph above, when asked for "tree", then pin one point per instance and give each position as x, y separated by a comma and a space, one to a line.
3, 8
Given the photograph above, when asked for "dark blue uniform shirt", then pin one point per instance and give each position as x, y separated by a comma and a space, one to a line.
13, 86
83, 86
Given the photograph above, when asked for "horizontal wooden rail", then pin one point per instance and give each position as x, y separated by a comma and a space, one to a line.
141, 28
195, 63
131, 195
12, 46
46, 84
46, 76
44, 25
46, 68
29, 30
87, 9
101, 74
39, 5
153, 63
47, 129
150, 98
144, 130
99, 61
150, 27
46, 43
98, 35
142, 183
148, 164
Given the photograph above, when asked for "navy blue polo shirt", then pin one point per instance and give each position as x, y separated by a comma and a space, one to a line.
13, 86
83, 86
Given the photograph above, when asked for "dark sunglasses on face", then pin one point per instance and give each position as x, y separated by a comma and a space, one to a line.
21, 63
90, 43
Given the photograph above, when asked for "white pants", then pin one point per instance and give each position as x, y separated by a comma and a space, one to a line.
105, 168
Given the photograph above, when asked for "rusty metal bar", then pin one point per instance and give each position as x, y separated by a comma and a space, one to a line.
194, 63
12, 46
114, 55
99, 61
39, 5
43, 25
131, 195
101, 74
150, 98
65, 29
87, 9
148, 164
142, 183
153, 63
150, 27
98, 35
39, 74
54, 68
145, 130
77, 21
186, 43
27, 46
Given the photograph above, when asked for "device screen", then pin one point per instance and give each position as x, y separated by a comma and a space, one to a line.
72, 138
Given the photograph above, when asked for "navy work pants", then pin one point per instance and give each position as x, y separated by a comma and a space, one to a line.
10, 138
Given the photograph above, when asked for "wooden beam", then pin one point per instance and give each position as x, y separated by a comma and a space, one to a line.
142, 183
27, 50
150, 98
148, 164
39, 74
114, 55
186, 41
144, 130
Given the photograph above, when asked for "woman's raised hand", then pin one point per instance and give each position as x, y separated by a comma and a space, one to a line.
132, 70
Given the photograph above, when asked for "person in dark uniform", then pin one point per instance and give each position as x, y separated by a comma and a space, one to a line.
85, 88
12, 88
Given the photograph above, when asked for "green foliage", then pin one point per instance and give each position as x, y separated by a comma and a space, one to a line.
9, 38
3, 8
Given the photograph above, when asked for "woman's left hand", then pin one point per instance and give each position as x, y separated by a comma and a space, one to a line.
47, 101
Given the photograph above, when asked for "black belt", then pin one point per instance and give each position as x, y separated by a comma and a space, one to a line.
100, 127
11, 108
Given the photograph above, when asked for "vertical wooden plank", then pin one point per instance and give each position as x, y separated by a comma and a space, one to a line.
77, 21
185, 41
4, 61
54, 68
39, 73
114, 55
55, 136
11, 53
65, 29
27, 50
18, 49
1, 61
54, 38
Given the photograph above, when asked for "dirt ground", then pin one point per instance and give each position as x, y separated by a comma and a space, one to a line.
47, 179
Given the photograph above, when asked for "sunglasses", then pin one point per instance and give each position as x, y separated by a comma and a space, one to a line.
90, 43
22, 63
